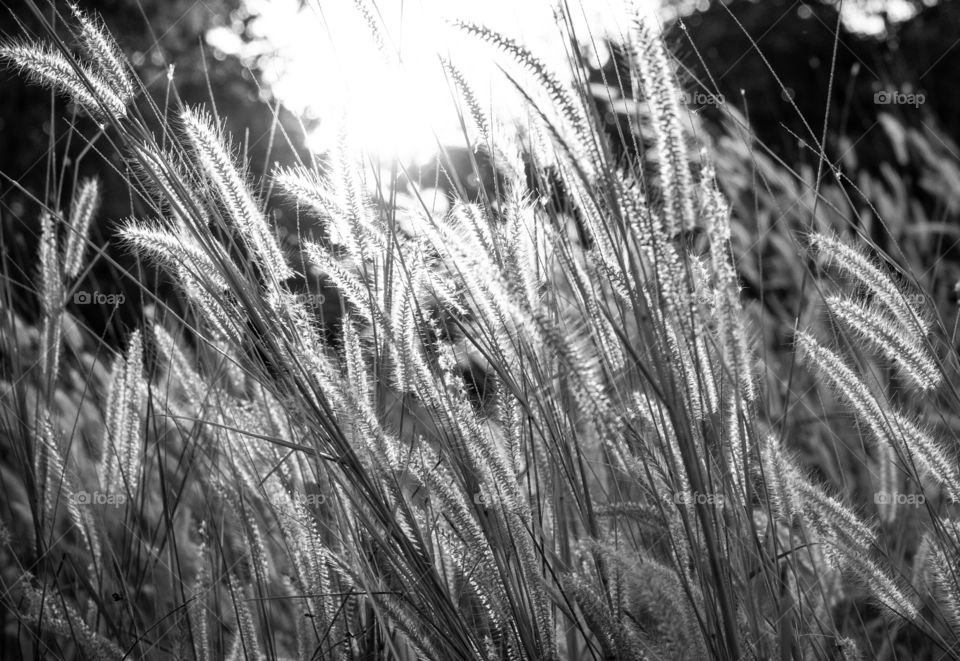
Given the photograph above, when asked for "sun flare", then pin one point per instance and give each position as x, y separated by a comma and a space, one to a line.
326, 64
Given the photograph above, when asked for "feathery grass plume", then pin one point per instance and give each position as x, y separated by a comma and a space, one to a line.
705, 376
621, 283
599, 341
122, 438
778, 473
886, 466
794, 499
309, 582
414, 628
833, 520
50, 68
354, 360
51, 292
471, 262
218, 164
304, 185
51, 297
469, 98
470, 219
601, 623
737, 443
922, 577
359, 227
861, 268
175, 250
663, 281
527, 245
643, 599
47, 609
734, 339
245, 644
82, 210
890, 592
508, 153
197, 608
935, 571
594, 211
500, 310
47, 451
171, 181
383, 450
886, 427
403, 327
696, 396
849, 651
531, 567
347, 283
478, 441
662, 437
434, 473
105, 54
948, 591
59, 486
510, 422
934, 459
409, 343
375, 27
843, 379
223, 320
655, 76
256, 550
570, 109
888, 337
341, 206
181, 372
430, 281
654, 593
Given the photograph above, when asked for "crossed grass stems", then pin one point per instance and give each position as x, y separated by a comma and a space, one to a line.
615, 491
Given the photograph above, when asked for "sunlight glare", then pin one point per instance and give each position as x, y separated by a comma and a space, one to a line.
324, 64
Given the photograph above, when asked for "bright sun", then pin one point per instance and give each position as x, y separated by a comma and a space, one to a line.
396, 101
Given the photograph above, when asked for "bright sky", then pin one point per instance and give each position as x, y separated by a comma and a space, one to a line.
323, 62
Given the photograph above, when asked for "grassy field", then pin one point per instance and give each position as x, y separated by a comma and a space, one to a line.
684, 403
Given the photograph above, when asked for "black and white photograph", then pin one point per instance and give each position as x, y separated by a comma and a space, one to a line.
479, 330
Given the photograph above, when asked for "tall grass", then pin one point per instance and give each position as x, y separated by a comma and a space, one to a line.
611, 485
